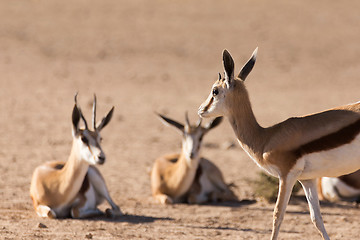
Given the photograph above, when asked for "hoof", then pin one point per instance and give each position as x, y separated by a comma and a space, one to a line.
113, 213
166, 200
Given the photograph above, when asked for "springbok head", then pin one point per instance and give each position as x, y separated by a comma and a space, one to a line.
192, 135
222, 91
88, 141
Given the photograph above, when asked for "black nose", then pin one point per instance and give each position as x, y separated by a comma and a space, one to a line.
101, 159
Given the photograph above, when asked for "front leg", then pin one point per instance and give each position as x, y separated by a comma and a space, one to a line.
99, 185
309, 187
45, 211
285, 189
163, 198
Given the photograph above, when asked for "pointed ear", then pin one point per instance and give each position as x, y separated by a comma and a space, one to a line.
168, 121
214, 123
105, 120
75, 120
246, 69
228, 63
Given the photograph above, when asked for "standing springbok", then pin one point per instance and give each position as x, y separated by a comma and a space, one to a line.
74, 188
343, 188
302, 148
186, 177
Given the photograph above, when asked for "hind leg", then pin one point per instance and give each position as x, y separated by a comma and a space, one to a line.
309, 187
98, 182
201, 190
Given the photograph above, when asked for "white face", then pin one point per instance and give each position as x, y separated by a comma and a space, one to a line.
214, 105
90, 149
192, 141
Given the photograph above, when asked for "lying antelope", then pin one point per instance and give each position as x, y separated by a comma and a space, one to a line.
74, 188
302, 148
186, 176
343, 188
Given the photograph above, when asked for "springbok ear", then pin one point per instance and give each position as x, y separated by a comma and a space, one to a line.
246, 69
79, 110
105, 120
75, 120
168, 121
228, 63
214, 123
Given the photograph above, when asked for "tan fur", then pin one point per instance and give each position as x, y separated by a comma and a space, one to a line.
171, 179
319, 188
285, 150
53, 187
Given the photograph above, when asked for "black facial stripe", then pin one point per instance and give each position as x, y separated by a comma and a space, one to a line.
208, 106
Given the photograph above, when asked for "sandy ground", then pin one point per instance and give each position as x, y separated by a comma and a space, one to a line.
145, 56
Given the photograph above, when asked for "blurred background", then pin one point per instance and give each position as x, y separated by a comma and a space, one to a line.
144, 56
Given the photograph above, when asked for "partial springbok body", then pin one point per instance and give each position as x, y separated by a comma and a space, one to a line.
74, 188
343, 188
186, 177
302, 148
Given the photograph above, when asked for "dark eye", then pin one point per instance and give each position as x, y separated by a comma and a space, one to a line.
215, 92
84, 140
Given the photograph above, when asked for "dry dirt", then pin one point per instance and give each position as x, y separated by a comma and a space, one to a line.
145, 56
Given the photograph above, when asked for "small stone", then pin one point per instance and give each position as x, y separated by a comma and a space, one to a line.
41, 225
89, 236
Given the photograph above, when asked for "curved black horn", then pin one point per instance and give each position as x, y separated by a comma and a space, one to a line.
94, 113
187, 119
75, 98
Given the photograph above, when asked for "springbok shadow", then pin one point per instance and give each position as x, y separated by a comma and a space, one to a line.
232, 204
130, 218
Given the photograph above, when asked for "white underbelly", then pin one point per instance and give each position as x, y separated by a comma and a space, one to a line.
332, 163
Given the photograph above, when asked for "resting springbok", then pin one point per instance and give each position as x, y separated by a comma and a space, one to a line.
74, 188
186, 177
343, 188
302, 148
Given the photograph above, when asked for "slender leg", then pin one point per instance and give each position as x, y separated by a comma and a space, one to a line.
309, 187
285, 188
78, 212
100, 188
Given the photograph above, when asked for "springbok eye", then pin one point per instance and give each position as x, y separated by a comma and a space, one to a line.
84, 140
215, 92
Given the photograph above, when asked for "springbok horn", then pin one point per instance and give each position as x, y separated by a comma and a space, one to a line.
94, 113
